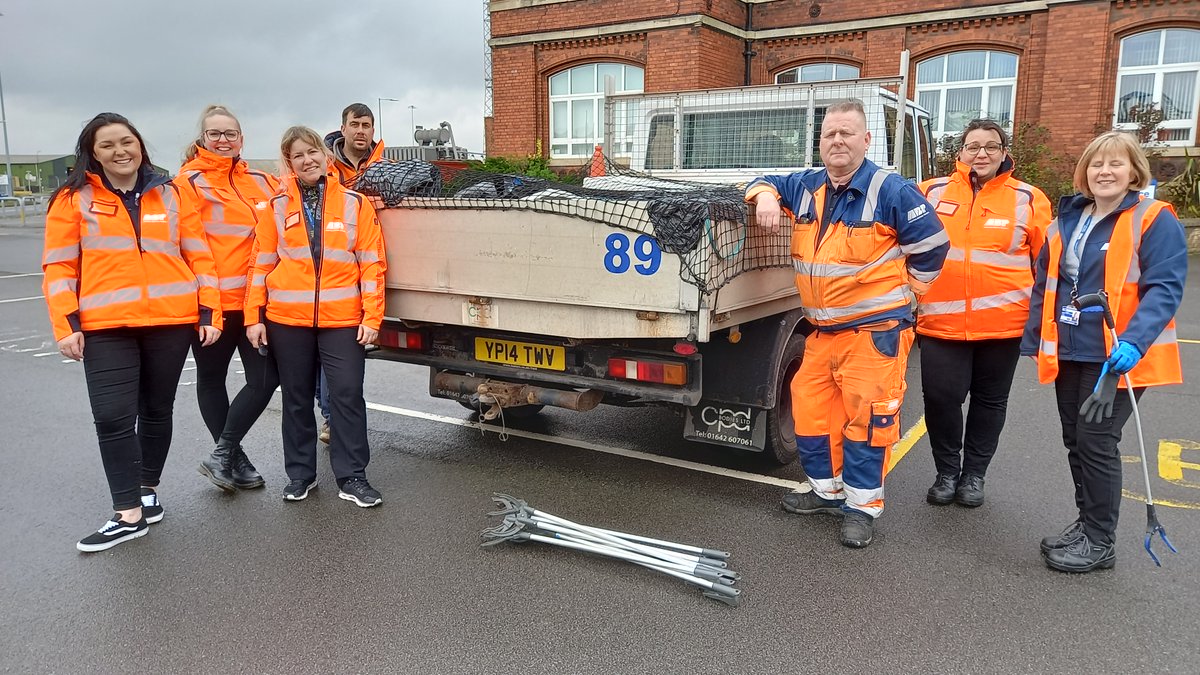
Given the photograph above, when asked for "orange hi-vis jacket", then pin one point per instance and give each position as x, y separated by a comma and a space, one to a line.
99, 273
1122, 269
229, 196
995, 237
283, 279
348, 175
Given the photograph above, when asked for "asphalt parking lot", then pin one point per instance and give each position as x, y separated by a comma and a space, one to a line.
249, 582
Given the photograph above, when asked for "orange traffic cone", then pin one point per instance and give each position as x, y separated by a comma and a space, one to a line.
597, 167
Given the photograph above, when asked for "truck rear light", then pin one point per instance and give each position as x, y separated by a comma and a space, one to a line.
399, 339
662, 372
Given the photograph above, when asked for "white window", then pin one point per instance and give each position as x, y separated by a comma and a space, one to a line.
818, 72
962, 86
1160, 66
577, 108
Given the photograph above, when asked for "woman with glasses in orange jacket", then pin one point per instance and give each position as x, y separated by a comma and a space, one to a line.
969, 323
229, 196
316, 289
129, 279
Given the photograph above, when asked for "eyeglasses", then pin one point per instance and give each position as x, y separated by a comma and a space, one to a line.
216, 134
992, 149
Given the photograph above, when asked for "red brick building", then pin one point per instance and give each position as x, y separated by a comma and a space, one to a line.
1072, 66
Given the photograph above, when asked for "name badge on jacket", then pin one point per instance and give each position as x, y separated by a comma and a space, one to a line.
1069, 315
291, 221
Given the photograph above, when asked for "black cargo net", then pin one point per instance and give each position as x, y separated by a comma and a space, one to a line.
703, 224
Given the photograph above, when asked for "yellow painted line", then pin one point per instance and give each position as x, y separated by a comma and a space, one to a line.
1160, 502
1190, 342
910, 439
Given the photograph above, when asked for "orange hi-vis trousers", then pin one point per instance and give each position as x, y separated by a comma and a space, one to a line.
846, 406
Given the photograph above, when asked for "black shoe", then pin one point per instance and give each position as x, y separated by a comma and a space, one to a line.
152, 510
942, 492
1063, 539
218, 467
970, 491
809, 503
1082, 555
245, 476
359, 491
298, 489
115, 531
857, 529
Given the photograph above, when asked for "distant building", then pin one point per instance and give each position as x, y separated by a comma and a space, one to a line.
36, 173
1073, 66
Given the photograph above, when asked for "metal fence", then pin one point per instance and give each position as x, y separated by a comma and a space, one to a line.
21, 208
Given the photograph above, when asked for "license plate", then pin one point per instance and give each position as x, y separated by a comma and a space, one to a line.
526, 354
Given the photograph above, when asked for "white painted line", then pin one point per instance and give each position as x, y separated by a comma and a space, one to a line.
17, 276
32, 297
596, 447
20, 339
44, 354
186, 369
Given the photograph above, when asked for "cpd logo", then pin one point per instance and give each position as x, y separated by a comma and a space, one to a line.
724, 418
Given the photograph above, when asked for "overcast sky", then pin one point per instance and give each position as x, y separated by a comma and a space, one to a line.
274, 63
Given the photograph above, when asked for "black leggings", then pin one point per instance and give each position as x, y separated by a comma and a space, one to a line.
230, 422
132, 374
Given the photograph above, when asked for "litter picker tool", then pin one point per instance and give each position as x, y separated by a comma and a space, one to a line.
1100, 299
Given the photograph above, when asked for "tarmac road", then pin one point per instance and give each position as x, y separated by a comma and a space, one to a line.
251, 583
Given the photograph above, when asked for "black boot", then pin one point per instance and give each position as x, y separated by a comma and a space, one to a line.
218, 467
245, 476
1082, 555
942, 492
970, 491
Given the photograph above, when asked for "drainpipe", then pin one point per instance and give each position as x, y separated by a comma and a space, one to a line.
748, 53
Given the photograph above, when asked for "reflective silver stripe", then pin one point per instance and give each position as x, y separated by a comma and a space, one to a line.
806, 200
275, 295
896, 296
160, 246
263, 183
367, 256
280, 208
1051, 284
121, 295
923, 275
98, 242
63, 285
86, 199
350, 219
259, 280
825, 270
338, 255
1049, 347
228, 229
343, 293
871, 199
927, 244
1136, 229
191, 244
1000, 259
369, 287
230, 283
295, 252
172, 208
1052, 231
956, 254
1002, 299
934, 196
206, 280
1167, 337
948, 307
267, 259
171, 289
61, 254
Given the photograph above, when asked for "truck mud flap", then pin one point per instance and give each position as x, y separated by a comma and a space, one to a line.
729, 424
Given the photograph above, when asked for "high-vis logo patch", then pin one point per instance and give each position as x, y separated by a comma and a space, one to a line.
917, 212
261, 205
947, 208
335, 226
996, 223
154, 217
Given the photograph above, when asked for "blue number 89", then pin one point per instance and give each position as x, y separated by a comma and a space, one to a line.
645, 249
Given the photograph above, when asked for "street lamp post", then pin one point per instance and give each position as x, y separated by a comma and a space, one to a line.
379, 108
413, 121
7, 158
37, 169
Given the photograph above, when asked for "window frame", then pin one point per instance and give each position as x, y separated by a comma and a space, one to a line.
800, 69
573, 142
985, 84
1159, 71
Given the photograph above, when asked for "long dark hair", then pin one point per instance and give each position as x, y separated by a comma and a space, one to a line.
85, 160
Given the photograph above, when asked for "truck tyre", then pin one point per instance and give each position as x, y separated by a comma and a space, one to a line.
781, 433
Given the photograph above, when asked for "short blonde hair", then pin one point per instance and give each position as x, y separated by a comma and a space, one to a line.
1114, 142
299, 133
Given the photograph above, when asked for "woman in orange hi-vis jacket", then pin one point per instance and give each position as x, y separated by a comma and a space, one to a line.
229, 196
316, 288
969, 323
128, 279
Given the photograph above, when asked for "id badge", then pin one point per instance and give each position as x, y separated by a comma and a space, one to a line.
1069, 315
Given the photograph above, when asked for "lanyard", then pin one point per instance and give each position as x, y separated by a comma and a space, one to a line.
1084, 231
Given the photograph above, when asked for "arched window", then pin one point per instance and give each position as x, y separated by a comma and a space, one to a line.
961, 86
818, 72
577, 108
1160, 67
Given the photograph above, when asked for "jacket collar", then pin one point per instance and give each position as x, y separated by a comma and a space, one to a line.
967, 174
206, 160
859, 182
148, 179
1071, 206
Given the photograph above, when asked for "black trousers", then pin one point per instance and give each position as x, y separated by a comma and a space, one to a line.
952, 369
132, 374
297, 350
1092, 448
230, 422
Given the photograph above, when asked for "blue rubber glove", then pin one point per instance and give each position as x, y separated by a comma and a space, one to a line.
1124, 357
